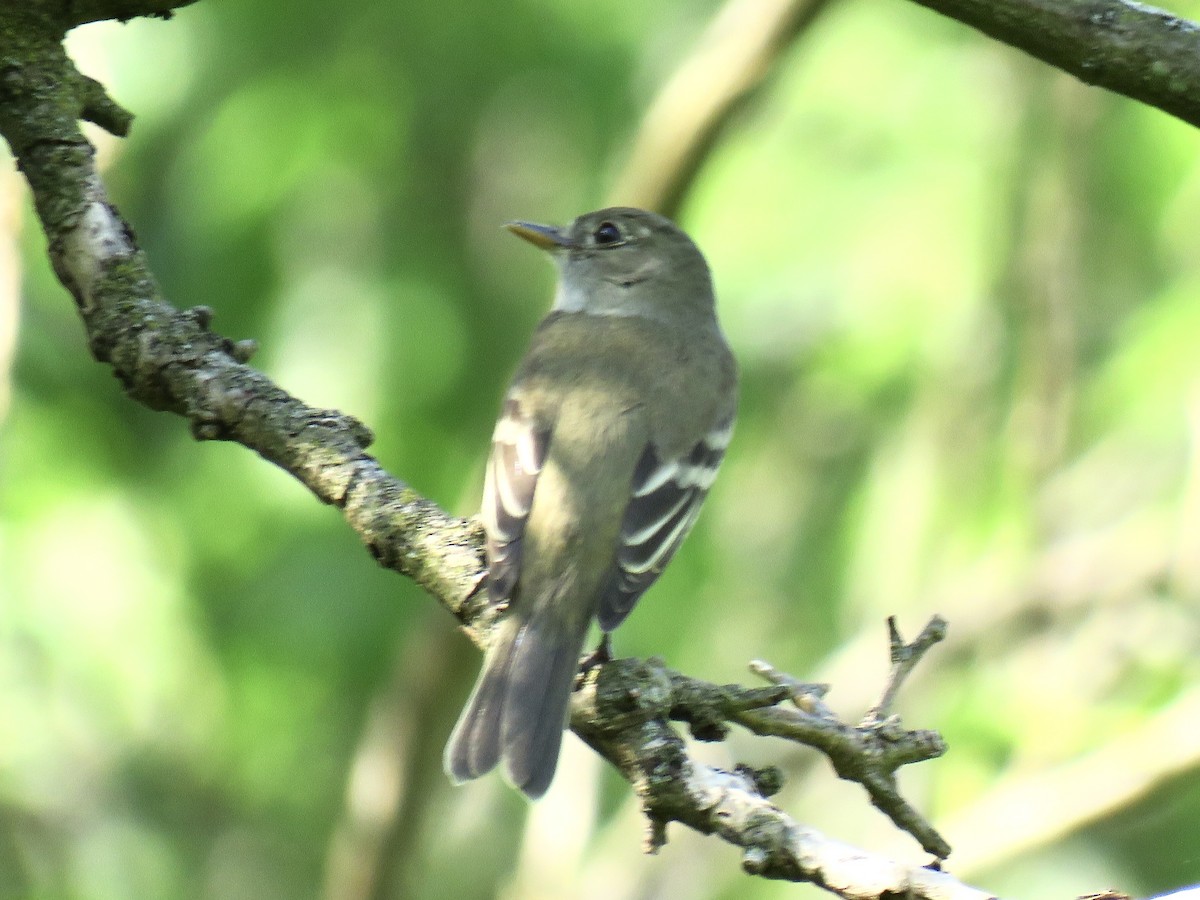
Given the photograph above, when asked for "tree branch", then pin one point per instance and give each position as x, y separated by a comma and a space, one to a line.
1130, 48
171, 360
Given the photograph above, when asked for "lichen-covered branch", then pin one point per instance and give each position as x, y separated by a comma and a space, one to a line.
1129, 48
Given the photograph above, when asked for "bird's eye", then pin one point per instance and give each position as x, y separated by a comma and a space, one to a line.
607, 233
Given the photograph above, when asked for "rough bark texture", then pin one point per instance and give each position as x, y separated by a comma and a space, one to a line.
171, 360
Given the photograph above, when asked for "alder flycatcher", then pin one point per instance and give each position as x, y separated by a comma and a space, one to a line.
609, 438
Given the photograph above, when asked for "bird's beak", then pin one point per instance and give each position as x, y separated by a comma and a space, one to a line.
547, 237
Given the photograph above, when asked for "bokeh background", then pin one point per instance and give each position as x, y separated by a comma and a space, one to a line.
965, 295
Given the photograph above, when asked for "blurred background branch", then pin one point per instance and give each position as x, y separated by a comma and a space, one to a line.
739, 50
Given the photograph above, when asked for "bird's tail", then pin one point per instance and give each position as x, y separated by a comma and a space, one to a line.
518, 709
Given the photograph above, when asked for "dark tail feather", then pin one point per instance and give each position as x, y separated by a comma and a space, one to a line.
474, 745
544, 663
519, 706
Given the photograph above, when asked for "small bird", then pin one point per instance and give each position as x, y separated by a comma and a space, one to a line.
610, 436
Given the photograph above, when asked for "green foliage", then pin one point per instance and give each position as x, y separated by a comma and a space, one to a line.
963, 292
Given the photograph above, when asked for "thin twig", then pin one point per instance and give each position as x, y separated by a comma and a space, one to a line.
904, 658
808, 696
871, 752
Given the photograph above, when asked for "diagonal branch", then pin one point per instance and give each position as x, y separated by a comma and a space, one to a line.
1130, 48
171, 360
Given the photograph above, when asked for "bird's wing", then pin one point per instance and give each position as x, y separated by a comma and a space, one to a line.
518, 454
664, 504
